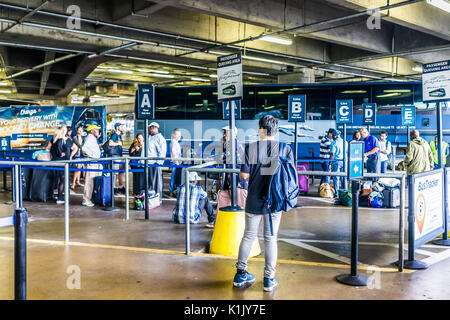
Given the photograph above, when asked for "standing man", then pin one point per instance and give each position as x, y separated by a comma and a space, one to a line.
385, 151
325, 147
175, 153
115, 143
434, 150
371, 152
92, 150
157, 147
224, 196
337, 154
419, 157
257, 169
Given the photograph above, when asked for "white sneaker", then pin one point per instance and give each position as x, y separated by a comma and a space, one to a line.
59, 201
88, 204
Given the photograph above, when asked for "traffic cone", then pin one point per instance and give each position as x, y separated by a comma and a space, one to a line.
228, 232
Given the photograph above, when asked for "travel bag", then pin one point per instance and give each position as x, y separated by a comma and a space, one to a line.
391, 197
102, 190
303, 181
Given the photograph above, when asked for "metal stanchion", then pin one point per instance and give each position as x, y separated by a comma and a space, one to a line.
127, 187
17, 186
111, 177
401, 239
146, 208
66, 203
20, 253
353, 279
20, 186
187, 211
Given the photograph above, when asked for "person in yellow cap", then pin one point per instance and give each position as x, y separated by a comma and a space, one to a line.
92, 150
434, 150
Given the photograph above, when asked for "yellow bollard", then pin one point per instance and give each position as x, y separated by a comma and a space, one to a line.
228, 232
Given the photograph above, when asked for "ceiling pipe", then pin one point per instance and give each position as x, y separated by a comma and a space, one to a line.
28, 15
311, 61
315, 24
112, 50
41, 66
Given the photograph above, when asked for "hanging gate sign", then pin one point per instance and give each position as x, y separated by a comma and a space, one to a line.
369, 114
145, 102
344, 111
297, 108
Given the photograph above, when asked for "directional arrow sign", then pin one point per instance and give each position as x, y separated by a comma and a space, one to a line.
356, 160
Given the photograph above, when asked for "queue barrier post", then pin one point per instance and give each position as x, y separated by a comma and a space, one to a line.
127, 187
66, 203
187, 212
20, 253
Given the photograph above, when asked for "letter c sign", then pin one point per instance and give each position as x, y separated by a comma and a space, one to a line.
344, 111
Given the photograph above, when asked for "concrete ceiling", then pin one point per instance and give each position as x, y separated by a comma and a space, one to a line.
45, 55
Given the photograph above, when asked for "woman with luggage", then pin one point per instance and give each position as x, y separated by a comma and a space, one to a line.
78, 141
61, 150
136, 150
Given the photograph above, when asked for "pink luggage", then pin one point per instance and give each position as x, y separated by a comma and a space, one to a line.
303, 181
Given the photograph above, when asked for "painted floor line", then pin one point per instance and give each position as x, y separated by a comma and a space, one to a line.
317, 250
205, 255
437, 258
393, 245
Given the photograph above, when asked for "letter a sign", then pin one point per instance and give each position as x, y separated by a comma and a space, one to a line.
145, 102
297, 108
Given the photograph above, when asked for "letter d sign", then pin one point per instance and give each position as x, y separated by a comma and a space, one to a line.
369, 114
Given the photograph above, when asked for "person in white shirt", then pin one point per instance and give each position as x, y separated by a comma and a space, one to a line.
175, 153
157, 147
385, 151
92, 150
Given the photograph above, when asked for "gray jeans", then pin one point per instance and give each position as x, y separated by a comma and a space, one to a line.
252, 222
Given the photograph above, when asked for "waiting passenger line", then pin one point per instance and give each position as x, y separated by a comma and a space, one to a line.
203, 255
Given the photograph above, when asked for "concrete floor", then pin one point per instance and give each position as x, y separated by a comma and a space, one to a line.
139, 259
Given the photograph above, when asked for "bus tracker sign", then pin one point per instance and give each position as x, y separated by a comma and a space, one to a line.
427, 204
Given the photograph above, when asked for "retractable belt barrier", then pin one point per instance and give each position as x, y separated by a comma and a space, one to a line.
64, 165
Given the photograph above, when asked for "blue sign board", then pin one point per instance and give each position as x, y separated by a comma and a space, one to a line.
5, 144
344, 111
356, 160
145, 102
369, 114
226, 109
297, 108
409, 116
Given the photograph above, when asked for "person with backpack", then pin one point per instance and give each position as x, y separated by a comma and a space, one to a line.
385, 151
270, 169
92, 150
113, 148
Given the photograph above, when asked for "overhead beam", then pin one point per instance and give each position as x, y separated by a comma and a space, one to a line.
44, 77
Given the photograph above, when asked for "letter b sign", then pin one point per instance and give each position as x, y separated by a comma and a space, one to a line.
297, 108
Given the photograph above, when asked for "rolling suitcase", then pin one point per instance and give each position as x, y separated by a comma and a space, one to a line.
303, 181
391, 197
102, 190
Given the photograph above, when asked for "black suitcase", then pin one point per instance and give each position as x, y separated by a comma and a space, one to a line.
391, 197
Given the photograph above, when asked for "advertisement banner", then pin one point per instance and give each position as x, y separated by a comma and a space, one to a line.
436, 81
29, 126
229, 77
428, 206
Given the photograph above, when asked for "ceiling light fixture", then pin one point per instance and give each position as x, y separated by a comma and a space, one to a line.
199, 79
160, 75
120, 71
5, 91
284, 41
417, 69
441, 4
